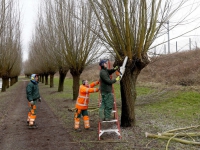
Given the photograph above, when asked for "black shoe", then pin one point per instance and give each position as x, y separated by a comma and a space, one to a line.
101, 119
33, 127
90, 129
107, 119
27, 122
78, 130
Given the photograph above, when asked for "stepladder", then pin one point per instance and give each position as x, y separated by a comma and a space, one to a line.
111, 126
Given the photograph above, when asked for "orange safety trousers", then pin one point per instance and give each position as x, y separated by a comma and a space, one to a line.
77, 120
31, 114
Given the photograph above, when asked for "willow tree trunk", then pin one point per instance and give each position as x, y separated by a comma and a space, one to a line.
62, 74
46, 79
12, 81
39, 78
42, 76
76, 84
5, 81
16, 79
128, 90
128, 97
51, 80
8, 83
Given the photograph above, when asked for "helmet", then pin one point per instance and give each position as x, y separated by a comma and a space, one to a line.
102, 62
33, 76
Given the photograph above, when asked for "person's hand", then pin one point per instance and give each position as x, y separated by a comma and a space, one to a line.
32, 102
40, 99
118, 78
116, 67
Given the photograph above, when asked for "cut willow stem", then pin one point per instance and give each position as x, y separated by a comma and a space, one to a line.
180, 134
181, 129
175, 139
74, 109
93, 110
170, 140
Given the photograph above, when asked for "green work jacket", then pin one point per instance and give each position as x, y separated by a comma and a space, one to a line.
105, 81
32, 91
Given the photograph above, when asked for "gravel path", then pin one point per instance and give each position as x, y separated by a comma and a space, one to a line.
15, 134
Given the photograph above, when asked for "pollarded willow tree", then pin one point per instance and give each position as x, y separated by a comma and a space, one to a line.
80, 45
10, 42
129, 27
54, 38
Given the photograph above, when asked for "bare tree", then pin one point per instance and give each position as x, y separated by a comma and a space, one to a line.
10, 46
54, 39
3, 8
128, 28
80, 46
45, 45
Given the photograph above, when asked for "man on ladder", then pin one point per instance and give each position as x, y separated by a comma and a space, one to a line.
106, 82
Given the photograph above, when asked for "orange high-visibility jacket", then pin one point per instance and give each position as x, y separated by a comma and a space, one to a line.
84, 93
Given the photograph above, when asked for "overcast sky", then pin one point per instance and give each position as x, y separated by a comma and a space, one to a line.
29, 9
189, 13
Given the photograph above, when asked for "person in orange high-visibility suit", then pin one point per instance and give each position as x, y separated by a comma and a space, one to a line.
82, 104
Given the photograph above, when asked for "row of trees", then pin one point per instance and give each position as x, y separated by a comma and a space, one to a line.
63, 40
10, 43
70, 34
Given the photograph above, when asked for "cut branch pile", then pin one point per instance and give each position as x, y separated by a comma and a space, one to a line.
180, 135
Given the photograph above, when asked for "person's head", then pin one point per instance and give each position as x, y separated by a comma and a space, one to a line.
34, 77
85, 82
103, 63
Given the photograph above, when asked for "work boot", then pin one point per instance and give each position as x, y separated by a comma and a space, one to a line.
27, 123
33, 127
107, 119
101, 119
78, 130
90, 129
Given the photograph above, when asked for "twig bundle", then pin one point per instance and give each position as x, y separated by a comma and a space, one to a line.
173, 135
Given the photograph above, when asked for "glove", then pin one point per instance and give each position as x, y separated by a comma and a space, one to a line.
116, 67
32, 102
118, 78
39, 100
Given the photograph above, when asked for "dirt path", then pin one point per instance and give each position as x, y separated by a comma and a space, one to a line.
15, 134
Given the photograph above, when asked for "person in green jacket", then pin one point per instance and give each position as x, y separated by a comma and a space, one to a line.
33, 96
106, 90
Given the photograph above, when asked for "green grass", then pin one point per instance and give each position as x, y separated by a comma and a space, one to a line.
183, 105
144, 90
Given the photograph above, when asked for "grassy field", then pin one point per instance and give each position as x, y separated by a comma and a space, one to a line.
158, 108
